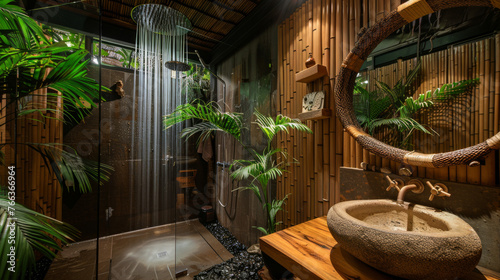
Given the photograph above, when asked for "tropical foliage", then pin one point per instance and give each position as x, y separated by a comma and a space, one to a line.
196, 84
29, 230
265, 165
398, 109
37, 75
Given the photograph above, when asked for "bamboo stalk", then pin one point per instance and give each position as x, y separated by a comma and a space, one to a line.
475, 71
496, 118
380, 8
364, 7
372, 10
491, 101
326, 23
339, 134
440, 173
387, 7
310, 27
474, 173
316, 31
296, 104
395, 4
356, 19
486, 84
338, 162
286, 93
385, 163
332, 71
299, 189
481, 92
280, 103
488, 170
318, 168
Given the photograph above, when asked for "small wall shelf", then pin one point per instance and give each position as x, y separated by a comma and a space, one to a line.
311, 74
316, 115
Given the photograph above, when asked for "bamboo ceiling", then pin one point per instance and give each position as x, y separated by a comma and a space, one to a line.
212, 20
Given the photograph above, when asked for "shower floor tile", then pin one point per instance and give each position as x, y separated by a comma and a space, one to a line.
153, 253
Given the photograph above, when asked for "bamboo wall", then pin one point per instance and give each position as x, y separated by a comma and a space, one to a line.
36, 186
327, 30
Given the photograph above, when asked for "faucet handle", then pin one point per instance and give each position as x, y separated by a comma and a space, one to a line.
438, 189
393, 183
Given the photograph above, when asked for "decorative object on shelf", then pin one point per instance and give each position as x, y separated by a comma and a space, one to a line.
405, 170
364, 165
118, 88
314, 110
310, 61
474, 163
386, 170
313, 101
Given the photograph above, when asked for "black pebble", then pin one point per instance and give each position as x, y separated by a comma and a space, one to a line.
242, 266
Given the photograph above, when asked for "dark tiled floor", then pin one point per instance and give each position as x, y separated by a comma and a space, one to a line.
153, 253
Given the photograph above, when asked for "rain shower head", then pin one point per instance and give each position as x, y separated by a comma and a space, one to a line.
177, 66
161, 19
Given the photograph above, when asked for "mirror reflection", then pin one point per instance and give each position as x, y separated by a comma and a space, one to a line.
432, 86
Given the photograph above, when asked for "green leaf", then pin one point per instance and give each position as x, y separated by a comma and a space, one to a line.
271, 126
211, 117
70, 169
32, 230
263, 230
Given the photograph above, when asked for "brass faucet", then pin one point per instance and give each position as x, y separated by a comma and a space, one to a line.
414, 185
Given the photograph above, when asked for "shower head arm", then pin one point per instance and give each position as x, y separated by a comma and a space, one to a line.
208, 68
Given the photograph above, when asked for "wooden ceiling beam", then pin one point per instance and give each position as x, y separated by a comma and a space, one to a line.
209, 31
203, 37
216, 2
203, 12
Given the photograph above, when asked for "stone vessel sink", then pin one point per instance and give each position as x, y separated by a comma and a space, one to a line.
409, 241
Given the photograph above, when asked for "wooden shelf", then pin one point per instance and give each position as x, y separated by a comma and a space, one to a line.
316, 115
311, 74
309, 251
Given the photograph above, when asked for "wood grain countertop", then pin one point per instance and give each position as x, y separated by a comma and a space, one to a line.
309, 251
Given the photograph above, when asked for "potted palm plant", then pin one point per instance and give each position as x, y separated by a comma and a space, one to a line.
30, 61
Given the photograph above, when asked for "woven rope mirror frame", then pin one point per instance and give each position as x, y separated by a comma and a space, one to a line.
404, 14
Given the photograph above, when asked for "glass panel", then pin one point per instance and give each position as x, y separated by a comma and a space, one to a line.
194, 252
49, 156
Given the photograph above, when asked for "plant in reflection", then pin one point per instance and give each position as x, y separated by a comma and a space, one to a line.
196, 84
265, 165
396, 108
38, 77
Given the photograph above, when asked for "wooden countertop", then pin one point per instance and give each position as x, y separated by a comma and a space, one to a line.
309, 251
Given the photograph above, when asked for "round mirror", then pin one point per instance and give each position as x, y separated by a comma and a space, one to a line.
412, 105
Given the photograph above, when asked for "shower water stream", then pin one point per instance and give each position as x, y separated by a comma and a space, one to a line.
155, 151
